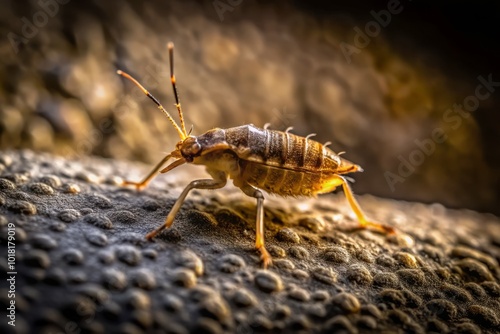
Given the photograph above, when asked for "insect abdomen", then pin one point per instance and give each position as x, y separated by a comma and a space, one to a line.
279, 149
281, 181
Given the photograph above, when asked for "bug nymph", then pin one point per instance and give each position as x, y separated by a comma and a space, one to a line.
255, 159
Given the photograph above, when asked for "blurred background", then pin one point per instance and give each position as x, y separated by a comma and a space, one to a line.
395, 84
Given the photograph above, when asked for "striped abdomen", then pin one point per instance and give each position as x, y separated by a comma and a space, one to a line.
279, 162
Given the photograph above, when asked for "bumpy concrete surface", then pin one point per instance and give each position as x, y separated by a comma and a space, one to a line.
83, 264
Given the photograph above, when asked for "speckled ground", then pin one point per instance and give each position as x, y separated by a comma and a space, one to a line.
83, 264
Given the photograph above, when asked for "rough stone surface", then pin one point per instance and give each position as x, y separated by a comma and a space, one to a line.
103, 276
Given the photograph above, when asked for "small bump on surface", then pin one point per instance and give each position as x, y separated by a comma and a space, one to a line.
298, 252
365, 256
367, 322
150, 253
325, 275
268, 281
320, 295
475, 289
190, 260
96, 238
57, 227
386, 279
400, 317
114, 279
172, 303
406, 259
71, 188
340, 324
386, 261
144, 279
77, 277
68, 215
315, 311
288, 235
73, 256
413, 277
359, 274
100, 201
473, 270
18, 178
299, 294
467, 328
491, 288
55, 276
128, 254
216, 308
313, 224
22, 207
50, 180
6, 185
244, 298
483, 316
98, 220
171, 235
43, 241
392, 297
436, 326
442, 308
276, 251
41, 189
122, 216
151, 204
455, 293
300, 274
336, 255
462, 252
37, 258
284, 264
412, 300
87, 177
230, 263
184, 277
138, 299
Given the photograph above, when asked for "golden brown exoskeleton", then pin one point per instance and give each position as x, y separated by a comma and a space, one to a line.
255, 159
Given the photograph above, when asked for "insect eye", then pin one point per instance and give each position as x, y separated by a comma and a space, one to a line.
195, 148
191, 148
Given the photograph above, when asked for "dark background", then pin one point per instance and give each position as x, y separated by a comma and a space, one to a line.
258, 62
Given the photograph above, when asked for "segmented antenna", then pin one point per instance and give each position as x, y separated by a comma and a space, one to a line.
174, 86
182, 134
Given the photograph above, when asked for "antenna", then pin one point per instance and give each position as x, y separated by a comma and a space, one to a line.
182, 134
174, 86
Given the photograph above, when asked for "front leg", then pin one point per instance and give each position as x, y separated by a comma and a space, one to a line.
219, 181
141, 185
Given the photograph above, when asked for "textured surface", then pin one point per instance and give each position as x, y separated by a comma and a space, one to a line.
83, 262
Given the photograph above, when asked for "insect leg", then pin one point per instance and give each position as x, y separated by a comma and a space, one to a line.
259, 224
363, 222
141, 185
219, 181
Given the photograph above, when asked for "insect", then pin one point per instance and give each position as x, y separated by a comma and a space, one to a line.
256, 159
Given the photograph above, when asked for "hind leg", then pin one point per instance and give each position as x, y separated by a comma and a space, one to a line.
363, 221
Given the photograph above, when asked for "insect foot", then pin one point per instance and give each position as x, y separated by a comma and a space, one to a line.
265, 257
385, 229
139, 186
